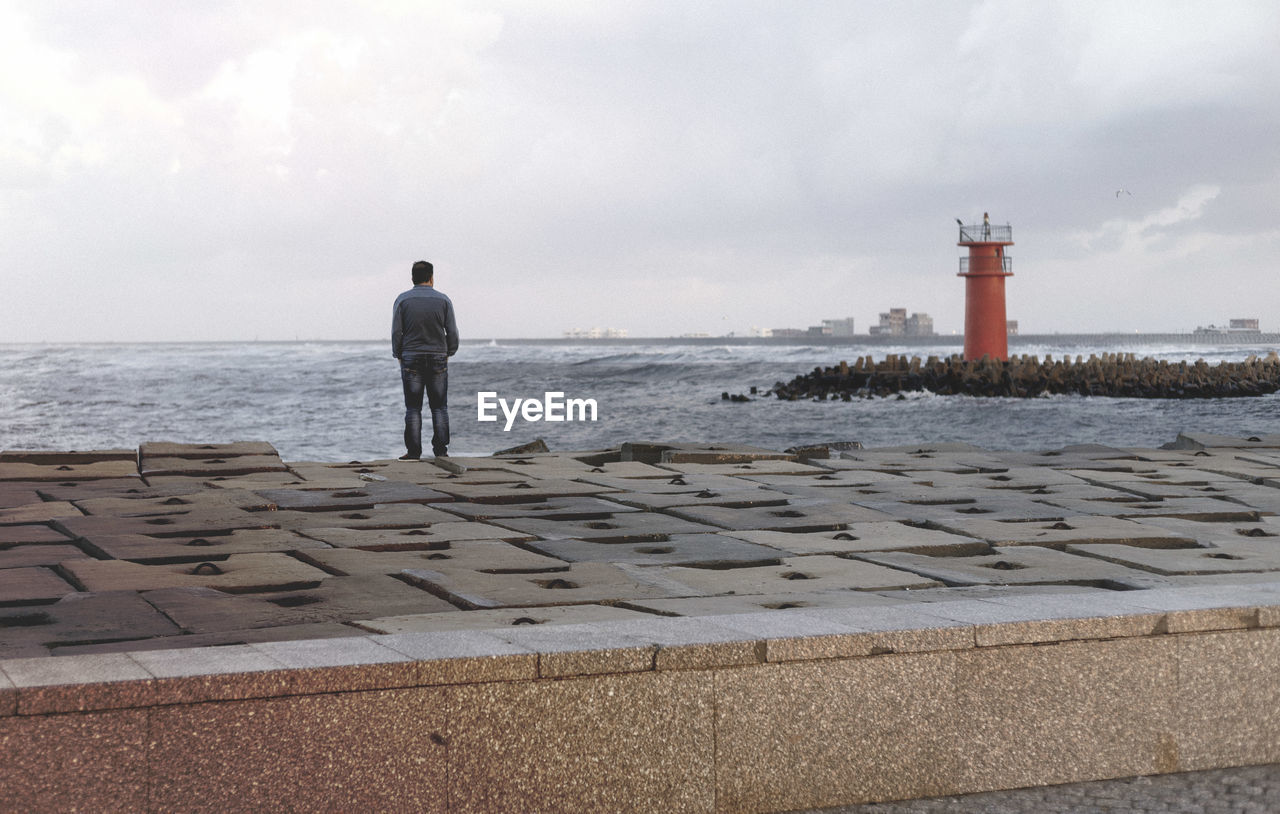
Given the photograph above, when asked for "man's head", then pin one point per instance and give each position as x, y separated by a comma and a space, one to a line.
422, 272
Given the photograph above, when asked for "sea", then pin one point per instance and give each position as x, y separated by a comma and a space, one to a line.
341, 401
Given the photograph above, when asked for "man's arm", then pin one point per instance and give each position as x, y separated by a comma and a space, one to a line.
451, 339
397, 330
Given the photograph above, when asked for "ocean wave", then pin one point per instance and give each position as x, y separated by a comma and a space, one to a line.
339, 401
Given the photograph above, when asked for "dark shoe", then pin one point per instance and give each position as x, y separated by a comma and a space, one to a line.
407, 457
444, 453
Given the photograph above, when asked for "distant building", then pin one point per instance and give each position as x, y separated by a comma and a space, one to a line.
892, 323
1235, 326
895, 322
790, 333
818, 330
839, 327
920, 325
763, 332
1011, 327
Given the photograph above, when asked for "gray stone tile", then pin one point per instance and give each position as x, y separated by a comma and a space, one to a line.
581, 649
691, 643
499, 618
340, 665
463, 656
78, 683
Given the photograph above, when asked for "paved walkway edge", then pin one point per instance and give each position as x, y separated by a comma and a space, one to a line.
753, 712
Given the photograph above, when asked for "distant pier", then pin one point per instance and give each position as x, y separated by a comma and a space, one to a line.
1084, 340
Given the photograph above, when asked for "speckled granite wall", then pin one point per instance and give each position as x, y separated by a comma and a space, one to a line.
487, 728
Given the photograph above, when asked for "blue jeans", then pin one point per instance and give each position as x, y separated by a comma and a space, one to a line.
427, 372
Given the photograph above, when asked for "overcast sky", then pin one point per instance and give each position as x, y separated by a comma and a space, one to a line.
270, 170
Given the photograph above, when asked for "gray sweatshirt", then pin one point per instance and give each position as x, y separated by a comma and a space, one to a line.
422, 322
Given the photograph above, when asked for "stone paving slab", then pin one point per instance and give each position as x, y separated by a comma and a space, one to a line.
244, 480
558, 508
192, 524
577, 583
238, 573
551, 467
428, 537
521, 491
119, 488
798, 515
96, 470
720, 454
755, 603
1009, 565
670, 483
186, 643
755, 467
365, 496
733, 498
942, 506
1156, 490
1212, 532
55, 457
801, 574
29, 586
708, 550
1265, 498
85, 618
381, 516
37, 513
192, 548
26, 556
830, 478
1226, 557
1070, 529
210, 466
460, 555
500, 618
31, 534
235, 449
197, 500
206, 610
655, 451
624, 527
874, 536
1193, 508
18, 493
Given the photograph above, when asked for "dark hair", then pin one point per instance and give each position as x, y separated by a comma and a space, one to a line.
423, 272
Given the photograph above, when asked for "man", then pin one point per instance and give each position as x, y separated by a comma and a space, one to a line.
423, 337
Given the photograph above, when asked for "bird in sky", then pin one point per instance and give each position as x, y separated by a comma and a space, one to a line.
1122, 190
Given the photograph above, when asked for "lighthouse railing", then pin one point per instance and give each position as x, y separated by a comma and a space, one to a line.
1007, 265
986, 233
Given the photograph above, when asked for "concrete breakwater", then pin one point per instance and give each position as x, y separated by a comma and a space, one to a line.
1111, 374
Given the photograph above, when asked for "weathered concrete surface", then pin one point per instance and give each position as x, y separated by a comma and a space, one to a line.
742, 515
528, 629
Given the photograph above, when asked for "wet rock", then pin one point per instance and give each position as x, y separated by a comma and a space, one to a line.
1118, 375
534, 446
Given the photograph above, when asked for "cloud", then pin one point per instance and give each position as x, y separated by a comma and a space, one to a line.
223, 170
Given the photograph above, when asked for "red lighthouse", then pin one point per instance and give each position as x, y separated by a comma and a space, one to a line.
984, 270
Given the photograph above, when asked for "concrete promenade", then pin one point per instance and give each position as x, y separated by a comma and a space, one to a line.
659, 627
